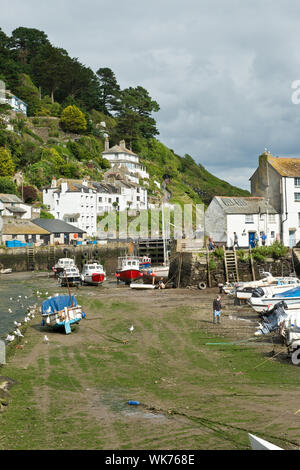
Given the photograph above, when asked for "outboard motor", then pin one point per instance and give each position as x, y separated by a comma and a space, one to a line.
258, 292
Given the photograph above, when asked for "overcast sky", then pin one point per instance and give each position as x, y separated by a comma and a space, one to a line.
221, 70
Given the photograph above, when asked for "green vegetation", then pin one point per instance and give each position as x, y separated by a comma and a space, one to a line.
64, 96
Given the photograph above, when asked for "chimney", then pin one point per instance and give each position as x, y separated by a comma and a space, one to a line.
106, 144
122, 144
53, 182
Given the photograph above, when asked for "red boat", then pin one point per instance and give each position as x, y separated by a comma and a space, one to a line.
128, 269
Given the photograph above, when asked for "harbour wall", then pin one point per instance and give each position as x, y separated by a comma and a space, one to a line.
191, 269
43, 258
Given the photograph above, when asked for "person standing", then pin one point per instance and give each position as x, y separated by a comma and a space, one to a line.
235, 240
263, 239
217, 307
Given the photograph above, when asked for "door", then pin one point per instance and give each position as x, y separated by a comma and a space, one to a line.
292, 238
252, 239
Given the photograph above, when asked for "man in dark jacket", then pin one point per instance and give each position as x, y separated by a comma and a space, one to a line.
217, 307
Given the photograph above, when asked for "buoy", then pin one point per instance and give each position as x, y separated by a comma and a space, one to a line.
132, 402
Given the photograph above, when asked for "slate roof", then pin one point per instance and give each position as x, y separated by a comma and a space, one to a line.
8, 198
57, 226
245, 205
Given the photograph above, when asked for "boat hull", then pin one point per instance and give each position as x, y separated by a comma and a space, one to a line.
129, 275
61, 311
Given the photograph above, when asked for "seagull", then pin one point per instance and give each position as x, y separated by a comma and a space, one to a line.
46, 293
46, 339
131, 328
20, 296
10, 298
10, 337
17, 323
26, 297
9, 310
18, 332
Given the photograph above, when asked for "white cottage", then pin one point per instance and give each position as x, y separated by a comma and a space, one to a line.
247, 216
73, 201
278, 180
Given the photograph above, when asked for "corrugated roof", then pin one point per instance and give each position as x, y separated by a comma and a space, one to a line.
22, 227
245, 205
285, 166
57, 226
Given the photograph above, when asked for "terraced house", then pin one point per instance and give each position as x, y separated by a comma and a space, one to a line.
278, 180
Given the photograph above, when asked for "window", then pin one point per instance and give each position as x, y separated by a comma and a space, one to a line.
272, 234
57, 235
249, 219
100, 199
297, 196
297, 182
298, 219
271, 218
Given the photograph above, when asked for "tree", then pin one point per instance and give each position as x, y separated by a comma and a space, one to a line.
109, 91
73, 120
49, 68
7, 186
29, 194
7, 166
26, 42
134, 117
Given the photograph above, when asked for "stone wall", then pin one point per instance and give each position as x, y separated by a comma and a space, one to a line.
16, 258
190, 269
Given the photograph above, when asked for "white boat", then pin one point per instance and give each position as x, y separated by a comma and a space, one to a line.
93, 273
70, 276
280, 284
260, 444
62, 264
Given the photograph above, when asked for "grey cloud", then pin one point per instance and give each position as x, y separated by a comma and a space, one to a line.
221, 71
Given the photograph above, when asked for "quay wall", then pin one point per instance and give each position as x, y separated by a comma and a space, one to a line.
17, 258
190, 269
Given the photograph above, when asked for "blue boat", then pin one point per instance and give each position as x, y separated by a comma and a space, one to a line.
61, 311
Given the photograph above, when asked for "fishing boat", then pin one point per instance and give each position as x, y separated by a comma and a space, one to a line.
62, 264
61, 311
128, 269
70, 276
145, 263
93, 273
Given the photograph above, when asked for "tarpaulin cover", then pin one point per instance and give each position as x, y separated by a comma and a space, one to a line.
272, 321
57, 303
295, 292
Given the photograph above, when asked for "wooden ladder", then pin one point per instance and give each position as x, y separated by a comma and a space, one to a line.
30, 259
51, 256
231, 267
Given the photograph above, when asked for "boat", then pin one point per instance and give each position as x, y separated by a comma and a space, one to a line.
70, 276
276, 286
291, 297
61, 311
145, 263
128, 269
93, 273
6, 271
260, 444
62, 264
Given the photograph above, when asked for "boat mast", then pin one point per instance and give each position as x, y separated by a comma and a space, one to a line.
163, 235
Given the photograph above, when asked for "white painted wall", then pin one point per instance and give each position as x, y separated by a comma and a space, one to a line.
293, 209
